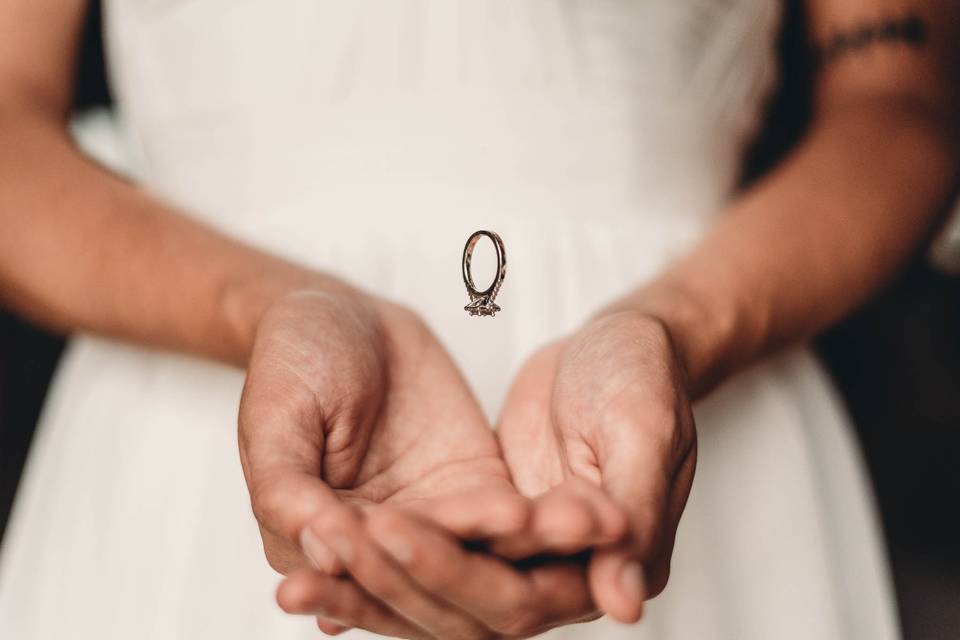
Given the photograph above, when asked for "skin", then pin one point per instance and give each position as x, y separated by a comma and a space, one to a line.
368, 519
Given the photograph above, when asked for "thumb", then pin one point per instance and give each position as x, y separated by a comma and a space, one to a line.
283, 505
281, 466
641, 474
618, 583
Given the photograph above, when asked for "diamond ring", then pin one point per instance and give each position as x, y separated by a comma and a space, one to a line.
482, 302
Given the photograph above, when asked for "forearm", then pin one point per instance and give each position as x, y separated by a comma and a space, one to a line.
809, 243
82, 249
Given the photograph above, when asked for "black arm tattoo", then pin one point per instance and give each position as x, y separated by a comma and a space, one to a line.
909, 30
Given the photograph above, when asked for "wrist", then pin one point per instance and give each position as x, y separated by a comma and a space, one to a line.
245, 301
710, 334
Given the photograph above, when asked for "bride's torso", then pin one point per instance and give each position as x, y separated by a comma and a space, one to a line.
370, 138
572, 107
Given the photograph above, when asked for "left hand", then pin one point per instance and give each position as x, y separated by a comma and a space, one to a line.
351, 401
609, 405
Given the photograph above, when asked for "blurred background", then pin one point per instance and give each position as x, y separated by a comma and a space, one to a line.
896, 362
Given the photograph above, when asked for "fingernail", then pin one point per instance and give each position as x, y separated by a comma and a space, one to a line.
632, 584
319, 553
397, 546
342, 546
330, 627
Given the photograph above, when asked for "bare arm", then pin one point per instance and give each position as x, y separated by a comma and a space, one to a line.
82, 249
837, 218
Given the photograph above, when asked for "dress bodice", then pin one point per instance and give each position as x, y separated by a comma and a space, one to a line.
371, 138
569, 106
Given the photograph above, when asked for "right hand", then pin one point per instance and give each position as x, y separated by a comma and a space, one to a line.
349, 401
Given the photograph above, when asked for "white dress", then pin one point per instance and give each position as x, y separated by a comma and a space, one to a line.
370, 138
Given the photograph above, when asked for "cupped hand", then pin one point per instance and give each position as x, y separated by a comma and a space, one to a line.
351, 401
411, 574
609, 406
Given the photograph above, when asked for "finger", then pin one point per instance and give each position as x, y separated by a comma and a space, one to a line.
320, 555
330, 628
283, 503
618, 583
344, 531
339, 602
562, 523
611, 519
478, 515
657, 565
281, 461
640, 476
571, 517
504, 599
617, 574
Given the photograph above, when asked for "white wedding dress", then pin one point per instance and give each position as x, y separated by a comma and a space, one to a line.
599, 138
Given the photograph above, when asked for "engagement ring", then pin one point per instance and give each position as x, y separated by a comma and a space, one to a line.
482, 302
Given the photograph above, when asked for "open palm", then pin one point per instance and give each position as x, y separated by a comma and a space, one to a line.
351, 401
608, 406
